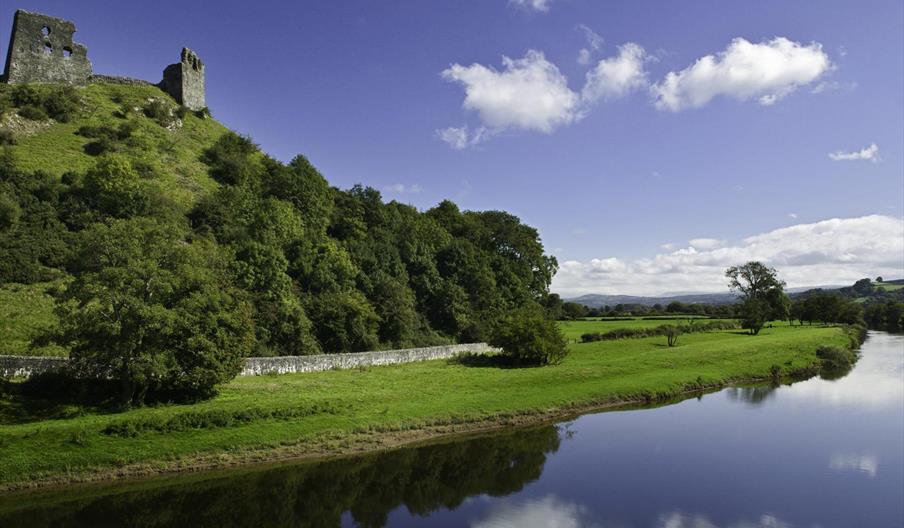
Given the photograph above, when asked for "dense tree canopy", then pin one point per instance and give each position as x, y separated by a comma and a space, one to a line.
762, 294
272, 248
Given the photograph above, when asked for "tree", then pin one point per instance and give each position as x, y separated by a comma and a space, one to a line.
153, 311
761, 291
527, 337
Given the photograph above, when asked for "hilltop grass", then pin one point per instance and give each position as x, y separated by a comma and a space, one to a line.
57, 148
25, 312
326, 413
573, 330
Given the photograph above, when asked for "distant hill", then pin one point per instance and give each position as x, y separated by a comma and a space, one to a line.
594, 300
598, 301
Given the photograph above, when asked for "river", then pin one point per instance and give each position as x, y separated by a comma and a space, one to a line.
815, 453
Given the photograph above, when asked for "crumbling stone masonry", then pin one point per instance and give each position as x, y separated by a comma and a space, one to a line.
41, 50
185, 80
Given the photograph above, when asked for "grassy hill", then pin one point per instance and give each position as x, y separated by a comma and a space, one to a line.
163, 138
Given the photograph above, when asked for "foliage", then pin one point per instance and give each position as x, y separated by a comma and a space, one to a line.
152, 310
668, 330
762, 294
59, 102
528, 337
836, 357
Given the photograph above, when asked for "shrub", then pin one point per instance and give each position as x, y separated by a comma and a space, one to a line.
663, 330
9, 213
35, 113
672, 333
61, 103
159, 111
835, 357
528, 337
7, 137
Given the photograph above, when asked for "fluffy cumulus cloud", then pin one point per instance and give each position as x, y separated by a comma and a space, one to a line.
528, 93
541, 6
617, 76
766, 71
830, 252
531, 93
870, 153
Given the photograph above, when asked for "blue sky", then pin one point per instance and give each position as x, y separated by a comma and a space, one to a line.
783, 143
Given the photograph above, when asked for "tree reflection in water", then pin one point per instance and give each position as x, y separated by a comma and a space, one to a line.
423, 479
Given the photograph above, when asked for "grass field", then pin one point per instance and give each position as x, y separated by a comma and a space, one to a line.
887, 286
574, 329
320, 411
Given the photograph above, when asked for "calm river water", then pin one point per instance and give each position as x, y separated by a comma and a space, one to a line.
817, 453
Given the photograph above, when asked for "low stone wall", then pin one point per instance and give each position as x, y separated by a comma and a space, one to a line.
118, 79
24, 366
288, 364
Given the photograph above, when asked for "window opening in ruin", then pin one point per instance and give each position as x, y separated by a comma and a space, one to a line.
45, 31
67, 51
48, 48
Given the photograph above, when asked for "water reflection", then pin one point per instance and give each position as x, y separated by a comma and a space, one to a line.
756, 395
422, 479
811, 457
545, 512
863, 463
879, 382
680, 520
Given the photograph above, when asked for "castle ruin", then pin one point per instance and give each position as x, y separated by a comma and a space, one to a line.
41, 51
185, 80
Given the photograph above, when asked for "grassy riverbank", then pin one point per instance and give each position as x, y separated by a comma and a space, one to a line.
338, 411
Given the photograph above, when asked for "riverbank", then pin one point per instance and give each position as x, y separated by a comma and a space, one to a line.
269, 418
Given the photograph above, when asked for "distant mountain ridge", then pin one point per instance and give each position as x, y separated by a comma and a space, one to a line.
595, 300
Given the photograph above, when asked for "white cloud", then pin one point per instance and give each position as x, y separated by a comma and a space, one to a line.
792, 215
835, 251
831, 86
706, 243
461, 138
616, 76
529, 93
532, 5
532, 94
870, 153
668, 247
594, 44
401, 188
766, 71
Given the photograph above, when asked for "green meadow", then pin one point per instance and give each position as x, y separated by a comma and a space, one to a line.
320, 412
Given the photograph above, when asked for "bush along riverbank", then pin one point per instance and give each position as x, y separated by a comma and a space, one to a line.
46, 441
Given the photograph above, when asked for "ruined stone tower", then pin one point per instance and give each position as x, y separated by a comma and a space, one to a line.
41, 50
185, 80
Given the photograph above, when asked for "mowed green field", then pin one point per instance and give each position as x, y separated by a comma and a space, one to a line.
574, 329
888, 286
394, 398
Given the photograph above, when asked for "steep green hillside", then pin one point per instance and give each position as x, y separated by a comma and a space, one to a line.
169, 146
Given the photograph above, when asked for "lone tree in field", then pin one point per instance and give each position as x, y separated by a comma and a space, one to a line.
762, 294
